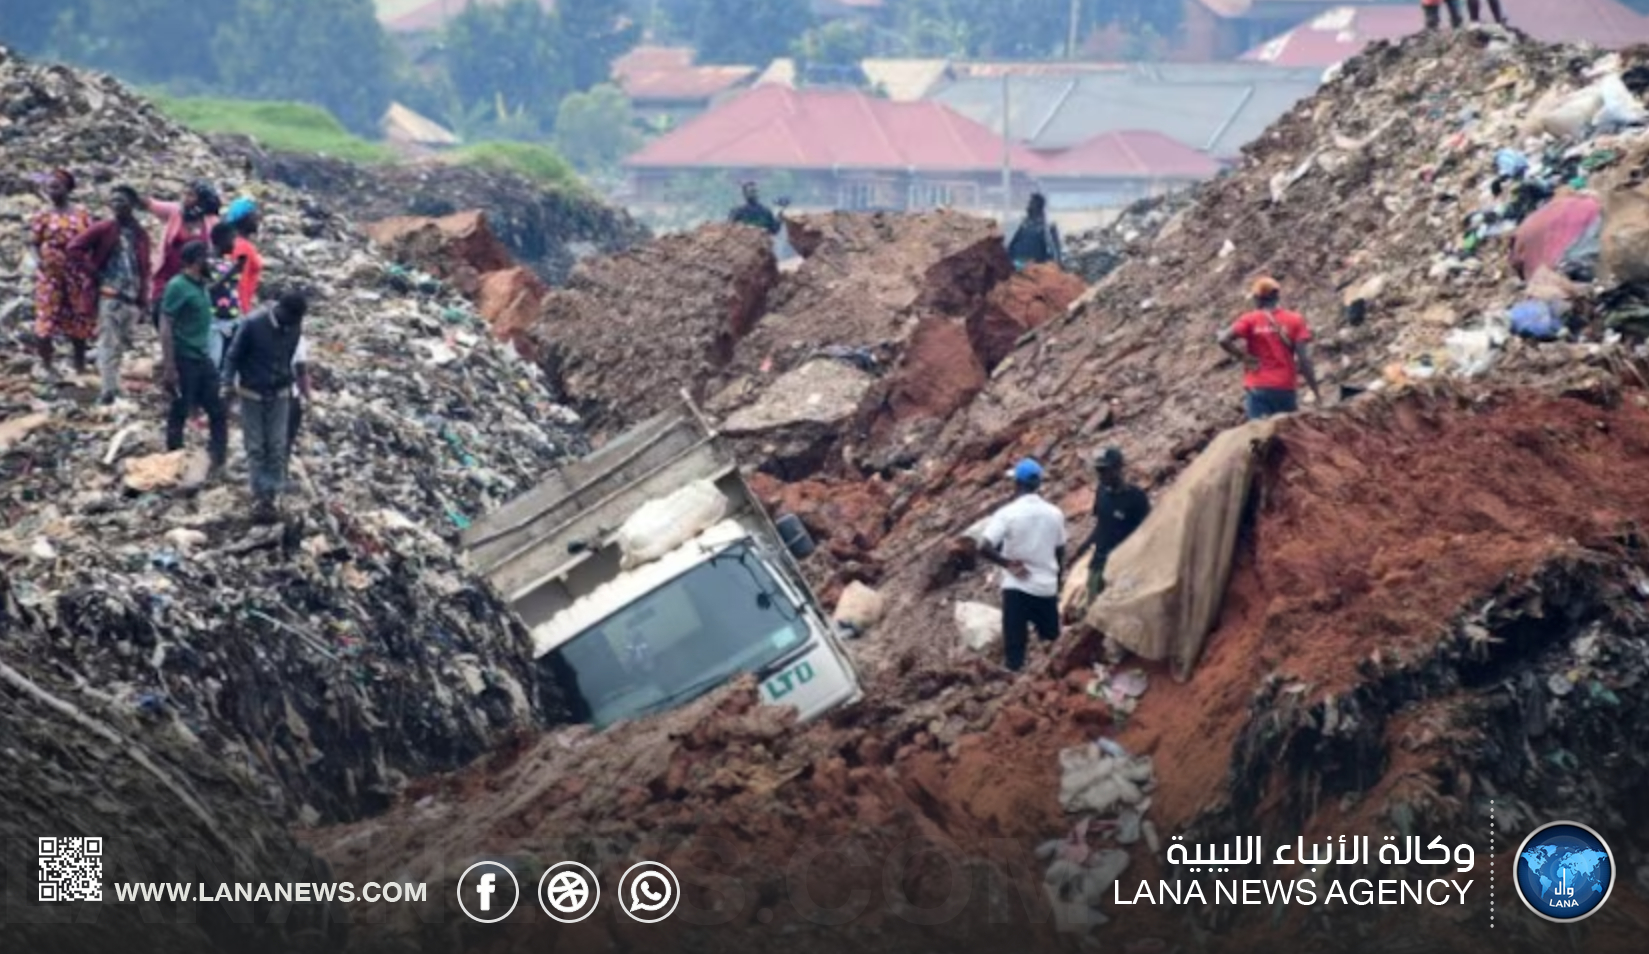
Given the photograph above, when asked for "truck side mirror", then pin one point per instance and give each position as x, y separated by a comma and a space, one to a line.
795, 536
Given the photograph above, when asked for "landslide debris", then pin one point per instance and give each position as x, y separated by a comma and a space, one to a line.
548, 230
323, 661
1098, 252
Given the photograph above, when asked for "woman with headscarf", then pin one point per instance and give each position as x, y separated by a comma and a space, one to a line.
188, 220
50, 232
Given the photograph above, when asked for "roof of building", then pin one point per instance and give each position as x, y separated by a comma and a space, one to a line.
1342, 33
1214, 108
902, 80
1235, 9
775, 127
402, 16
401, 124
667, 74
1129, 154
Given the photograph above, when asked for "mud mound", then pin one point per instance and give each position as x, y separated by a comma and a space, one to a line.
630, 332
1440, 603
549, 230
327, 658
957, 784
458, 248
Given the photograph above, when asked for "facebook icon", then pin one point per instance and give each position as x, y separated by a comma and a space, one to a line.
479, 891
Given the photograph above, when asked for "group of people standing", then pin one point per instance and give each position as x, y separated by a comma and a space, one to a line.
1026, 538
1474, 8
101, 281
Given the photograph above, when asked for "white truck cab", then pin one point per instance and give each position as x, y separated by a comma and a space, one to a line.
628, 637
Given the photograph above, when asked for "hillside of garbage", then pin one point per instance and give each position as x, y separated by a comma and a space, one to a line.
223, 680
1438, 596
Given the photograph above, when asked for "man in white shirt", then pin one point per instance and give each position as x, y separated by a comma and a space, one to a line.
1027, 540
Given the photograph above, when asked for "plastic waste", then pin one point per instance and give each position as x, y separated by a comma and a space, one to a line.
1473, 351
860, 606
1619, 107
1511, 163
1535, 319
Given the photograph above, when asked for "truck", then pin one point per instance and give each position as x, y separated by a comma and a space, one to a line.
629, 629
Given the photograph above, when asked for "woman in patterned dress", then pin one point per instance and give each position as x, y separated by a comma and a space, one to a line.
50, 231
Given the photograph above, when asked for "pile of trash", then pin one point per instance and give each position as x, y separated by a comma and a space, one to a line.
1098, 252
325, 660
548, 230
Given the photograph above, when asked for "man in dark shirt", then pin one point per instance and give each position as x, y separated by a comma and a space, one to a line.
260, 366
1119, 509
753, 213
1036, 239
186, 361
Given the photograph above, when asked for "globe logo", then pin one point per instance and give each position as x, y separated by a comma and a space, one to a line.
568, 892
1564, 871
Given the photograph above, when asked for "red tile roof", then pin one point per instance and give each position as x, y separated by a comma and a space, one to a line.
667, 74
1133, 154
1341, 33
774, 127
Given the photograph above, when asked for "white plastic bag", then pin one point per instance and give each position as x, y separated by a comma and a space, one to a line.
1568, 118
1619, 107
659, 526
981, 626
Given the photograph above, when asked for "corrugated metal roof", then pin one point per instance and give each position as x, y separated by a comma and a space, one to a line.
433, 14
774, 127
1214, 108
405, 125
667, 74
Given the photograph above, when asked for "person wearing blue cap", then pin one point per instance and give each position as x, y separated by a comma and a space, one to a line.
1027, 540
244, 216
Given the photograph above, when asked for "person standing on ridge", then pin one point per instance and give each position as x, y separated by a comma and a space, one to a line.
56, 312
1036, 239
260, 367
1119, 508
1434, 13
754, 213
244, 216
1277, 353
186, 363
1474, 9
1026, 538
188, 220
111, 260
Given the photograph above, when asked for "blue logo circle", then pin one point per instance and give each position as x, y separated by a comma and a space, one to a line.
1564, 871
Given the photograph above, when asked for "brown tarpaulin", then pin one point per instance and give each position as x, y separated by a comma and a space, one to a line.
1165, 584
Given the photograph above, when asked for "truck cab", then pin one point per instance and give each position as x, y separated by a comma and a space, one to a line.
628, 637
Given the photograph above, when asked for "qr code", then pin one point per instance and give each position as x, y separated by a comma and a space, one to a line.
71, 869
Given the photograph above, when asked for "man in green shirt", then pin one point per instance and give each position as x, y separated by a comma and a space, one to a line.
186, 362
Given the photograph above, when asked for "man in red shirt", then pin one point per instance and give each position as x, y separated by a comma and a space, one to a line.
1275, 355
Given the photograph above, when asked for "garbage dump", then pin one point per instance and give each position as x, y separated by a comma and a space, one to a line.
323, 661
1436, 598
1096, 253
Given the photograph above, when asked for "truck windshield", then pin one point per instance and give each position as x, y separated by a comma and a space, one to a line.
680, 641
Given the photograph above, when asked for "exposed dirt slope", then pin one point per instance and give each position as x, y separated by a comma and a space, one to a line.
1344, 601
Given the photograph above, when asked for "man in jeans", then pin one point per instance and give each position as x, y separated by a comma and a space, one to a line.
112, 260
260, 366
1027, 540
1276, 353
186, 360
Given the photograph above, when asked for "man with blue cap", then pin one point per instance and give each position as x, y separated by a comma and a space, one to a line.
1027, 540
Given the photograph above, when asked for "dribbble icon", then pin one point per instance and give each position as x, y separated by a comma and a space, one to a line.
481, 892
1565, 871
648, 892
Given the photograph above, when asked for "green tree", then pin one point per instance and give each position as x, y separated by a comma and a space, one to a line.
508, 57
594, 33
596, 129
839, 44
332, 53
144, 41
746, 32
26, 25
